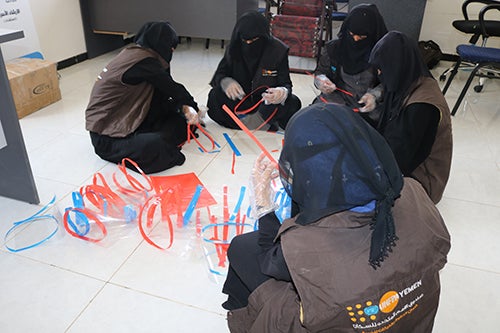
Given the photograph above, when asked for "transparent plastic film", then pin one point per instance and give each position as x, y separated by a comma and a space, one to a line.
39, 229
219, 226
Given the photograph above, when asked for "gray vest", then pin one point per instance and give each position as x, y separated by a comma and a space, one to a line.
116, 109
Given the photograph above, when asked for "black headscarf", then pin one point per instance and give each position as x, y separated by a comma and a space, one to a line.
158, 36
400, 62
364, 20
250, 25
332, 160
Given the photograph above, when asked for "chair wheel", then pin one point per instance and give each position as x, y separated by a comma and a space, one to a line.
442, 77
478, 88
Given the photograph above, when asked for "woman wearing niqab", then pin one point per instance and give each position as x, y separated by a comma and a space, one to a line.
254, 67
414, 116
334, 266
136, 109
344, 61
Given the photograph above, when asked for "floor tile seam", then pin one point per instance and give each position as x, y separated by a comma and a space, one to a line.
165, 298
124, 261
477, 269
481, 203
59, 181
41, 147
85, 307
38, 261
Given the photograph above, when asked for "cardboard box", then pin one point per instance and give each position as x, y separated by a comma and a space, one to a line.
34, 84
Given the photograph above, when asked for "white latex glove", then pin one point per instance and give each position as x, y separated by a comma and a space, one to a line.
261, 191
323, 83
232, 88
369, 101
190, 114
202, 114
275, 95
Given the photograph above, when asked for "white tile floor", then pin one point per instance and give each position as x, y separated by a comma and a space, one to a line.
126, 285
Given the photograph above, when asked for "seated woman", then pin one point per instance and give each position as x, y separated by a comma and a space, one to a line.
347, 261
136, 109
414, 117
255, 64
344, 61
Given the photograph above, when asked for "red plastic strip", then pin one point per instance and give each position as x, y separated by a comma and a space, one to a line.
233, 162
248, 132
150, 206
90, 216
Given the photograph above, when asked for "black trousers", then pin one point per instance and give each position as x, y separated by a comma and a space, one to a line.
154, 146
244, 274
217, 98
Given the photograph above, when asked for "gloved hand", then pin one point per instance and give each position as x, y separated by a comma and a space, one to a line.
261, 192
202, 114
323, 83
190, 114
275, 95
369, 101
232, 88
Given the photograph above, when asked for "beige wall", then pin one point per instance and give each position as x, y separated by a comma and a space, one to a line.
59, 27
60, 31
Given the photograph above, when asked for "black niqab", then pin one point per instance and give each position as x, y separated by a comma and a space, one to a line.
363, 20
332, 161
250, 25
400, 62
158, 36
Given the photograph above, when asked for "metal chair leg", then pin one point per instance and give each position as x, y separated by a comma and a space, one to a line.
452, 75
466, 87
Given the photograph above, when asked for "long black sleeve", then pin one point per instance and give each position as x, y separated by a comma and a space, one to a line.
151, 71
412, 134
272, 261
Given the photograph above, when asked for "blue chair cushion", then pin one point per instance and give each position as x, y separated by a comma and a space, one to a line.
477, 54
338, 16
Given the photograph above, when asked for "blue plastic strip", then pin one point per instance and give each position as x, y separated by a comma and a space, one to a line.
284, 205
218, 241
37, 216
231, 144
192, 205
238, 204
80, 218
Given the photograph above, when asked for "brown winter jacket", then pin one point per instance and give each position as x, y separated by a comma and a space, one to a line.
433, 173
117, 109
334, 288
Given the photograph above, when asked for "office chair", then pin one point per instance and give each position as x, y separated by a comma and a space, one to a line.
339, 13
485, 60
470, 25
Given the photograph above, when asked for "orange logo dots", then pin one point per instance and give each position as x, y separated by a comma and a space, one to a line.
358, 306
353, 319
369, 303
351, 314
349, 308
373, 317
389, 301
362, 319
360, 312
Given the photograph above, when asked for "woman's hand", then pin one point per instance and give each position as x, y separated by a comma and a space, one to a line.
369, 101
191, 115
323, 83
263, 172
232, 88
275, 95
